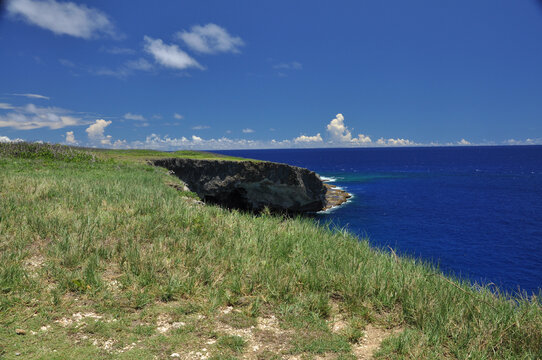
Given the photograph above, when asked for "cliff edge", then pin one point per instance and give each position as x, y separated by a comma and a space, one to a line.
251, 185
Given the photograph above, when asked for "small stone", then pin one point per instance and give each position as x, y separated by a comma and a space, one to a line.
17, 354
175, 355
20, 332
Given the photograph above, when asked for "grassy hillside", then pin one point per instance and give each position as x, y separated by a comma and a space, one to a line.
100, 258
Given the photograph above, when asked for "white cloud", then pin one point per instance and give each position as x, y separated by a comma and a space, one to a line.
294, 65
362, 139
463, 142
33, 96
125, 70
158, 142
200, 127
340, 134
120, 73
95, 132
31, 117
169, 55
70, 138
210, 39
137, 117
248, 131
338, 130
120, 144
395, 142
527, 141
5, 139
155, 141
63, 18
177, 116
139, 64
308, 139
6, 106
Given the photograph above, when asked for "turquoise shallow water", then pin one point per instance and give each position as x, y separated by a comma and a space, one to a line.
474, 211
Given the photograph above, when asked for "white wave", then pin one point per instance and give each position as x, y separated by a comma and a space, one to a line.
327, 178
333, 208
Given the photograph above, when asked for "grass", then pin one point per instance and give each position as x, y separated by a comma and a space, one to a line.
144, 155
99, 258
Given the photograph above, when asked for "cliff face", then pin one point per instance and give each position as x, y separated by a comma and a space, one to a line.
252, 186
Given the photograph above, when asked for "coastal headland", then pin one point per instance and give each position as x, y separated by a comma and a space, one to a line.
255, 185
103, 256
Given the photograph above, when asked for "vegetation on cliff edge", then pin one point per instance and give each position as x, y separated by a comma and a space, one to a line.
99, 258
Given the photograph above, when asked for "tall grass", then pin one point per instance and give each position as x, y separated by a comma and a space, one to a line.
44, 151
90, 225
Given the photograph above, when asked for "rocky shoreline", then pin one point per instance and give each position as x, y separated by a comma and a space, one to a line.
335, 196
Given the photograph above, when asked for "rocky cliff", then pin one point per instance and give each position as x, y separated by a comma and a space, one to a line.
251, 185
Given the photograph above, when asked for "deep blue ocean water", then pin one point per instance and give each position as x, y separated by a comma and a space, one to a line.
474, 211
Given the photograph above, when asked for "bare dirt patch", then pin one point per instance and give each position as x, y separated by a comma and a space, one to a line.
371, 341
263, 340
164, 324
77, 318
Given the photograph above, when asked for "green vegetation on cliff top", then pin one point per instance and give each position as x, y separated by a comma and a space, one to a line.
144, 155
100, 258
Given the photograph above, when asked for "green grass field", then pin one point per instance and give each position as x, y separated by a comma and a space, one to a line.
100, 259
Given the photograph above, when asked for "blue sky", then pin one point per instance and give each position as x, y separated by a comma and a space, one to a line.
251, 74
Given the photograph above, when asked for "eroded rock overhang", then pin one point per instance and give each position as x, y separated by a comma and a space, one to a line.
251, 185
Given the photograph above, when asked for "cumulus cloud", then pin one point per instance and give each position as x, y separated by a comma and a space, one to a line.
31, 117
5, 139
340, 134
70, 138
137, 117
177, 116
169, 55
338, 131
158, 142
210, 39
63, 18
308, 139
200, 127
395, 142
33, 96
120, 144
95, 132
248, 131
463, 142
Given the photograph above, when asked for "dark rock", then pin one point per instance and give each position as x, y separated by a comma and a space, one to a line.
251, 185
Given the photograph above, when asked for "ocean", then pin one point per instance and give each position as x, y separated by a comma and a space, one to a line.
475, 212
